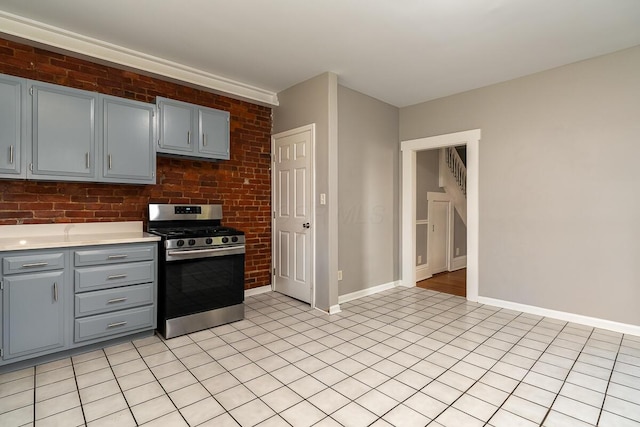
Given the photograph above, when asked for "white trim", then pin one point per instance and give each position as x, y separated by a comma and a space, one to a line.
458, 263
257, 291
422, 272
312, 206
409, 148
49, 36
335, 309
366, 292
595, 322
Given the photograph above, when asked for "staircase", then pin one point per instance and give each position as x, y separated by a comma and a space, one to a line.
453, 178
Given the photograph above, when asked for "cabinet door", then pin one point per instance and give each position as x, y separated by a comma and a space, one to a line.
213, 135
176, 127
33, 313
63, 133
128, 141
11, 126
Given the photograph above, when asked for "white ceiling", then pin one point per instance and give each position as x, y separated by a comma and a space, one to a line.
399, 51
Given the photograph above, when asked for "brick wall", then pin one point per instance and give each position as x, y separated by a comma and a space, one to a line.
242, 184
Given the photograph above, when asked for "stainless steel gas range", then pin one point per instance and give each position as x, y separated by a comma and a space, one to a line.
201, 268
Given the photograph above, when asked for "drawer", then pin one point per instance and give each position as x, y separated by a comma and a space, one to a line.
114, 255
104, 325
110, 276
96, 302
31, 263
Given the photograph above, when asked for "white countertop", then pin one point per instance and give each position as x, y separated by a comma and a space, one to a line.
44, 236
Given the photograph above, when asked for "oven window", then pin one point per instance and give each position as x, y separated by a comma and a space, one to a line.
203, 284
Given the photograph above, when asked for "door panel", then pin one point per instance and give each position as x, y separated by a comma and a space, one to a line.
438, 224
128, 140
214, 133
63, 132
11, 135
292, 215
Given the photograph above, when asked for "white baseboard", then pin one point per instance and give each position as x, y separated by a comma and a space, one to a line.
458, 263
257, 291
595, 322
422, 272
366, 292
335, 309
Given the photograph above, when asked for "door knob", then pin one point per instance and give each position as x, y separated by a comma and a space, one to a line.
306, 225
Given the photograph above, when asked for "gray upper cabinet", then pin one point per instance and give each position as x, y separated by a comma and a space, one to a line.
128, 135
12, 127
63, 133
213, 135
192, 131
177, 121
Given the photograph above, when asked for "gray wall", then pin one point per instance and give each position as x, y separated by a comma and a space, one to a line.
313, 101
559, 206
368, 191
459, 235
427, 180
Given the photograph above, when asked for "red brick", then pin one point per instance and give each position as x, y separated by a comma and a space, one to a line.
247, 207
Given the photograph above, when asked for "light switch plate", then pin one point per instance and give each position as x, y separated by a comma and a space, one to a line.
323, 199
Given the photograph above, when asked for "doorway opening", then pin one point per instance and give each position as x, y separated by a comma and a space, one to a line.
410, 148
441, 216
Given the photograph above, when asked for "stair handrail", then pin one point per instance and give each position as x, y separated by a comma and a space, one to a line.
457, 168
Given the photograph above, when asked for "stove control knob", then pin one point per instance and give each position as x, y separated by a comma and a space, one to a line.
180, 243
225, 240
192, 242
234, 239
209, 240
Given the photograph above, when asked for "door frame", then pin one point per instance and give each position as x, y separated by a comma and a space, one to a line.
312, 207
470, 138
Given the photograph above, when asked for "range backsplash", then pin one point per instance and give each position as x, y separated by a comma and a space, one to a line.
242, 184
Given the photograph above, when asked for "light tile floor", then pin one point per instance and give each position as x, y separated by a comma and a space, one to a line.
404, 357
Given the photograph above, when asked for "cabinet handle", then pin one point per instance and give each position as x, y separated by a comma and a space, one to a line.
115, 325
11, 154
204, 139
109, 161
117, 256
116, 276
35, 264
55, 291
188, 137
87, 160
115, 300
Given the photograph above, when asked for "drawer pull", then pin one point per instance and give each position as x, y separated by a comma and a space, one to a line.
117, 256
55, 291
35, 264
115, 325
113, 301
116, 276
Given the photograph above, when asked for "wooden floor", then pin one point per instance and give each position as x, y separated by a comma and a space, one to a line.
454, 282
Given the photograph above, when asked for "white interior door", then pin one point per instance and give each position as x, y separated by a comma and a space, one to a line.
293, 212
438, 232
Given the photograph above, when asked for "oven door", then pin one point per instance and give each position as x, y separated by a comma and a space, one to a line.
201, 280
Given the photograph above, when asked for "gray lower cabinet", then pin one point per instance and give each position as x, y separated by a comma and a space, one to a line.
128, 137
12, 127
63, 132
55, 300
115, 291
35, 289
192, 131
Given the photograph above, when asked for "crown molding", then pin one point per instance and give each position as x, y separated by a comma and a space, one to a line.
45, 35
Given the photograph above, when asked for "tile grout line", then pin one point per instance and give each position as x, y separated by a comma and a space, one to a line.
546, 415
613, 368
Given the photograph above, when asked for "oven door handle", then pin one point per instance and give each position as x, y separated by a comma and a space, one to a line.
204, 253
